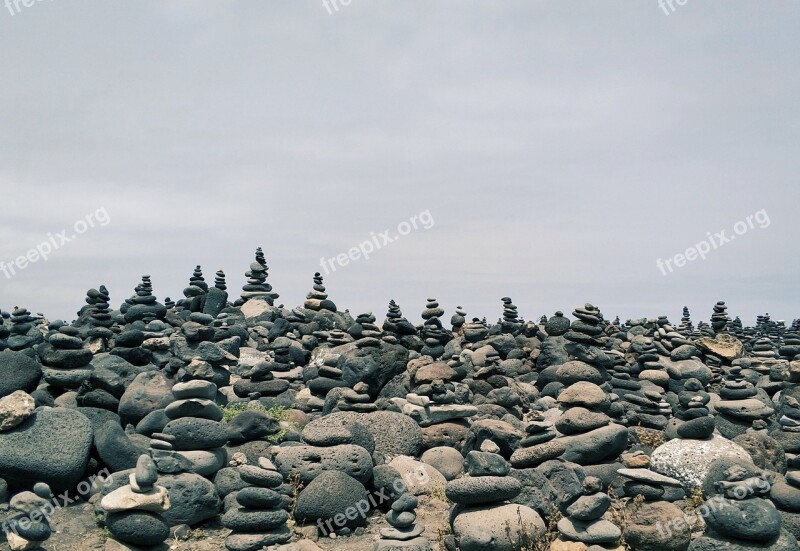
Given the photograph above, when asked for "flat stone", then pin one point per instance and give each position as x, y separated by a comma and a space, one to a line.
125, 499
15, 408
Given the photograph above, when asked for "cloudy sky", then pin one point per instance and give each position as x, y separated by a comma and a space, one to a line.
561, 149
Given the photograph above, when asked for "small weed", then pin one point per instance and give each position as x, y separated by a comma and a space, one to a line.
650, 437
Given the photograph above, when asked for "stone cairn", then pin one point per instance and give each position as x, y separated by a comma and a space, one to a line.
349, 399
404, 532
790, 349
365, 327
397, 324
23, 333
193, 439
482, 495
510, 322
685, 328
143, 305
584, 522
329, 376
257, 286
739, 406
134, 511
458, 320
28, 528
436, 397
4, 332
67, 363
649, 484
694, 421
195, 293
739, 516
217, 296
256, 515
317, 298
720, 319
260, 381
432, 332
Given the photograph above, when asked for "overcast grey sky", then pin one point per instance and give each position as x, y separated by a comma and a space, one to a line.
560, 147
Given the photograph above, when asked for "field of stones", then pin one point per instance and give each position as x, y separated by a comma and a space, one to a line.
219, 422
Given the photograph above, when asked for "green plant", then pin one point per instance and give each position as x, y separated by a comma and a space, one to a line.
276, 412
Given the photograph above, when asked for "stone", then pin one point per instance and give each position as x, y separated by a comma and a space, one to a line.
125, 499
51, 446
497, 527
192, 433
18, 371
328, 496
446, 460
482, 489
600, 532
689, 460
311, 461
754, 519
137, 527
15, 408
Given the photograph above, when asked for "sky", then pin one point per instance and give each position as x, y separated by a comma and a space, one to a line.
557, 150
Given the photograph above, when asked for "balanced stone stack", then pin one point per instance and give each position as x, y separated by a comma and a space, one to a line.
365, 327
693, 420
436, 396
26, 526
317, 299
432, 332
739, 517
649, 484
67, 363
193, 439
256, 516
685, 328
257, 286
719, 319
475, 331
23, 333
100, 318
481, 519
4, 332
648, 409
763, 348
586, 336
329, 376
790, 349
134, 511
404, 534
510, 322
260, 381
195, 293
217, 296
143, 305
739, 406
458, 320
355, 399
397, 324
197, 356
584, 522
